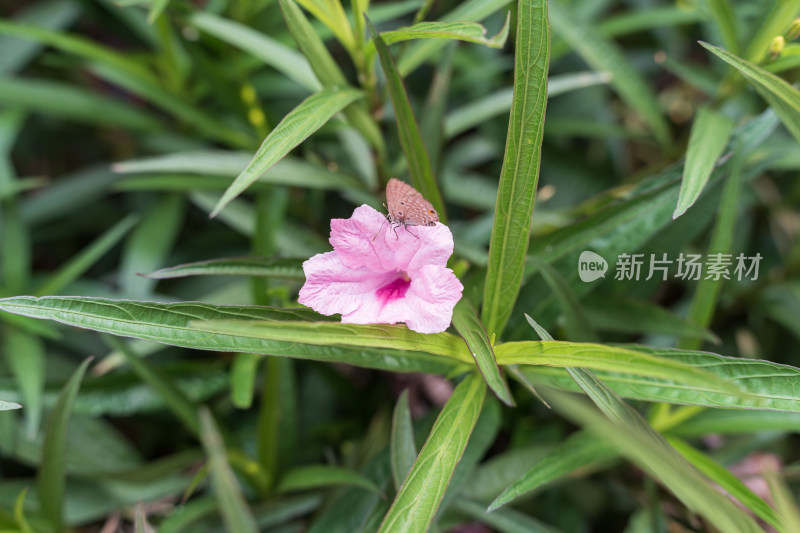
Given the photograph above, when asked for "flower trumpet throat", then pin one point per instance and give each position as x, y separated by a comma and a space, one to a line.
398, 276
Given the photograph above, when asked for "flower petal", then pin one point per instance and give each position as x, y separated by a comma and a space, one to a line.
416, 246
358, 242
433, 294
331, 287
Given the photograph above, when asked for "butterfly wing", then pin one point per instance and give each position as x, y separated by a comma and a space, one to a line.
407, 206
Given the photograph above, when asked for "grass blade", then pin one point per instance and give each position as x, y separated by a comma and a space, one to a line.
520, 173
52, 472
317, 476
403, 451
723, 16
238, 518
244, 266
710, 133
295, 127
157, 7
7, 406
466, 322
25, 356
419, 164
56, 15
422, 492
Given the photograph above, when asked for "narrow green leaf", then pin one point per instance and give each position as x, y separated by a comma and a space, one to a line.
520, 173
727, 481
725, 20
579, 451
295, 127
149, 245
419, 164
785, 502
318, 476
172, 324
603, 55
8, 406
238, 518
575, 322
159, 383
244, 266
763, 384
618, 359
55, 15
781, 96
273, 53
87, 257
732, 421
19, 512
466, 322
710, 133
624, 429
288, 171
157, 7
704, 299
402, 448
328, 72
416, 503
277, 417
244, 372
25, 356
338, 334
470, 32
469, 11
67, 101
475, 113
52, 472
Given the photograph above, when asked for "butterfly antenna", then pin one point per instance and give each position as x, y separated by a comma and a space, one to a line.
379, 230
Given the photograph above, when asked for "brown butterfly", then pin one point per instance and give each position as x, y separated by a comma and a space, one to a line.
407, 207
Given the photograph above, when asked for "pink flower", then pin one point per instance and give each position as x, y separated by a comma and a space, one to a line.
379, 274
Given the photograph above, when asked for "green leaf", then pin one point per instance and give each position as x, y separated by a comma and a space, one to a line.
172, 324
422, 492
419, 164
520, 173
725, 19
288, 171
295, 127
238, 518
727, 481
242, 266
87, 257
775, 21
318, 476
732, 421
403, 450
66, 101
470, 11
618, 359
704, 300
8, 406
763, 384
603, 55
56, 15
577, 452
466, 322
338, 334
160, 384
471, 32
328, 73
25, 356
624, 429
781, 96
273, 53
244, 372
710, 133
52, 473
157, 7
